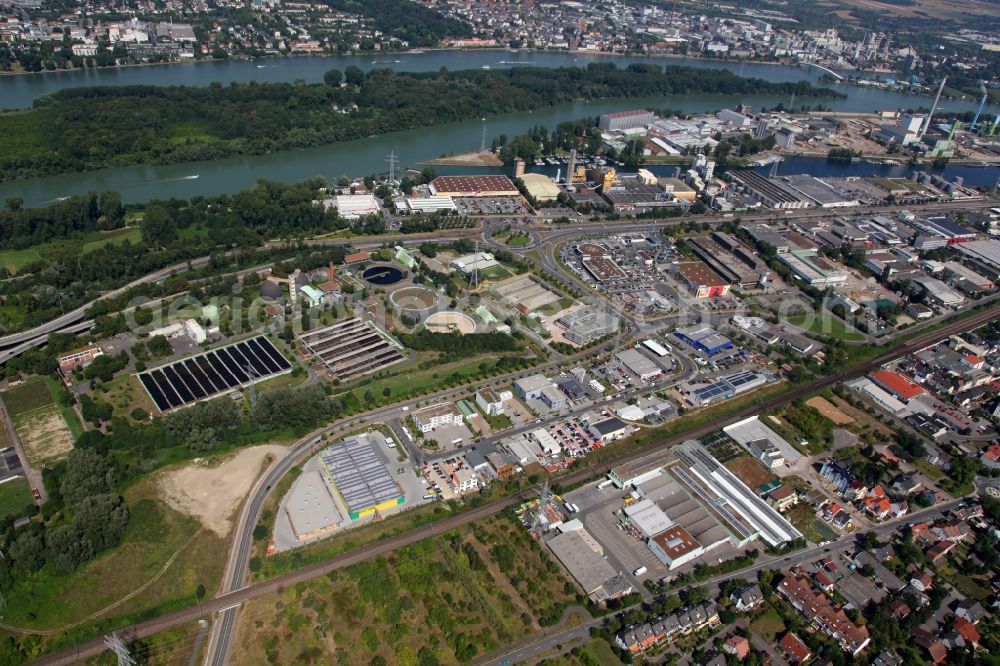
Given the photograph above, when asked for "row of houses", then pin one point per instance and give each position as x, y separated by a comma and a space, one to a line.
639, 638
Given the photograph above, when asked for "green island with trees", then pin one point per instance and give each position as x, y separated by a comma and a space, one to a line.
90, 128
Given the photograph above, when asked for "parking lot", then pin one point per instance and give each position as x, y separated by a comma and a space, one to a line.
490, 206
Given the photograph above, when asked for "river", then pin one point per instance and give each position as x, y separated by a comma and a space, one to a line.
367, 156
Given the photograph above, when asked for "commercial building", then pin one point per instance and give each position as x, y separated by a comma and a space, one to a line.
473, 186
896, 384
648, 518
353, 206
609, 429
701, 280
187, 327
593, 573
720, 482
675, 547
655, 347
763, 443
359, 475
311, 509
958, 272
79, 358
477, 261
431, 417
718, 258
638, 364
430, 204
625, 120
540, 187
490, 401
812, 268
530, 388
939, 292
985, 253
814, 190
880, 397
587, 324
704, 338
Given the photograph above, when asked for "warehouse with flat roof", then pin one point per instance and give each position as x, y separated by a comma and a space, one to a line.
540, 187
473, 186
701, 280
311, 508
358, 474
593, 573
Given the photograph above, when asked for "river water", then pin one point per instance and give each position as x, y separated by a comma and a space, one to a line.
368, 156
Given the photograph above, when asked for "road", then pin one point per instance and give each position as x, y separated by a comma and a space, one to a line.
580, 473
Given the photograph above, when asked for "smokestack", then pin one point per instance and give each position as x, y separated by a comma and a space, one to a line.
518, 167
937, 98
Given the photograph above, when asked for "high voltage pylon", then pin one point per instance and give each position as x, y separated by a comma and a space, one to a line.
251, 387
393, 163
116, 645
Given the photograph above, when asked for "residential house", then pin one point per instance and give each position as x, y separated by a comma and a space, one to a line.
887, 658
967, 630
782, 497
922, 581
738, 646
940, 549
797, 651
970, 610
818, 609
907, 484
747, 598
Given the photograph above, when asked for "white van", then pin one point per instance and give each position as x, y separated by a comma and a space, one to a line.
639, 571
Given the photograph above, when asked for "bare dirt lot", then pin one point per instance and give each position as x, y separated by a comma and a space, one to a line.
44, 434
824, 407
211, 490
748, 470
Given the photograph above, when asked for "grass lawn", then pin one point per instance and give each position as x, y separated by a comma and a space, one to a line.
15, 497
518, 241
768, 625
155, 533
447, 598
14, 260
67, 412
98, 240
803, 517
828, 325
972, 588
126, 393
30, 395
931, 471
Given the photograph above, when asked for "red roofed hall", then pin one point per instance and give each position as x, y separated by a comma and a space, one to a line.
898, 385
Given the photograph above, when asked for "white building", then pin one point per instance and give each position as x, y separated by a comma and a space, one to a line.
188, 327
353, 206
490, 401
675, 547
464, 480
428, 418
477, 261
530, 388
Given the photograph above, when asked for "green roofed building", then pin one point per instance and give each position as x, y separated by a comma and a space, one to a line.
485, 314
404, 257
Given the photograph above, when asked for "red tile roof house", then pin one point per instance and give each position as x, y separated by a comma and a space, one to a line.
739, 646
822, 612
796, 650
940, 549
930, 642
922, 581
967, 630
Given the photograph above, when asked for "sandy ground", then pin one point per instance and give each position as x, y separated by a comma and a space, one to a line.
826, 408
44, 435
445, 321
211, 491
467, 159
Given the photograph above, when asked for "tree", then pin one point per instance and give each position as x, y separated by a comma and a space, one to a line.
102, 519
158, 227
333, 77
87, 473
354, 75
67, 547
28, 551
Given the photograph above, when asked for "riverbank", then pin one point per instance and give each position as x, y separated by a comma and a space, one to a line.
477, 158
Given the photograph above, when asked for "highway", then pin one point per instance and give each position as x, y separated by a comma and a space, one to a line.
580, 473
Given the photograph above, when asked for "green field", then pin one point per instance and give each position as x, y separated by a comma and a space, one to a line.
14, 260
117, 237
32, 394
828, 325
768, 624
804, 518
518, 241
15, 497
155, 533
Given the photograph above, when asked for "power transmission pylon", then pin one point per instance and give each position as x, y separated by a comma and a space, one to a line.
393, 163
251, 386
116, 645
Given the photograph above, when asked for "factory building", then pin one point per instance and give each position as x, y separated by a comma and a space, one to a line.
675, 547
765, 190
310, 507
719, 259
353, 206
638, 364
625, 120
812, 268
540, 187
586, 324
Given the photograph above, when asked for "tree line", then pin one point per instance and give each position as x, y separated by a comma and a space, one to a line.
88, 128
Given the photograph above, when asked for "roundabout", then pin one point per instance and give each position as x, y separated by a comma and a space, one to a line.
446, 322
413, 299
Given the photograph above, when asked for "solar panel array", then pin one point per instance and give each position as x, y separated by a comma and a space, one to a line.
350, 348
217, 371
741, 379
713, 390
359, 474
